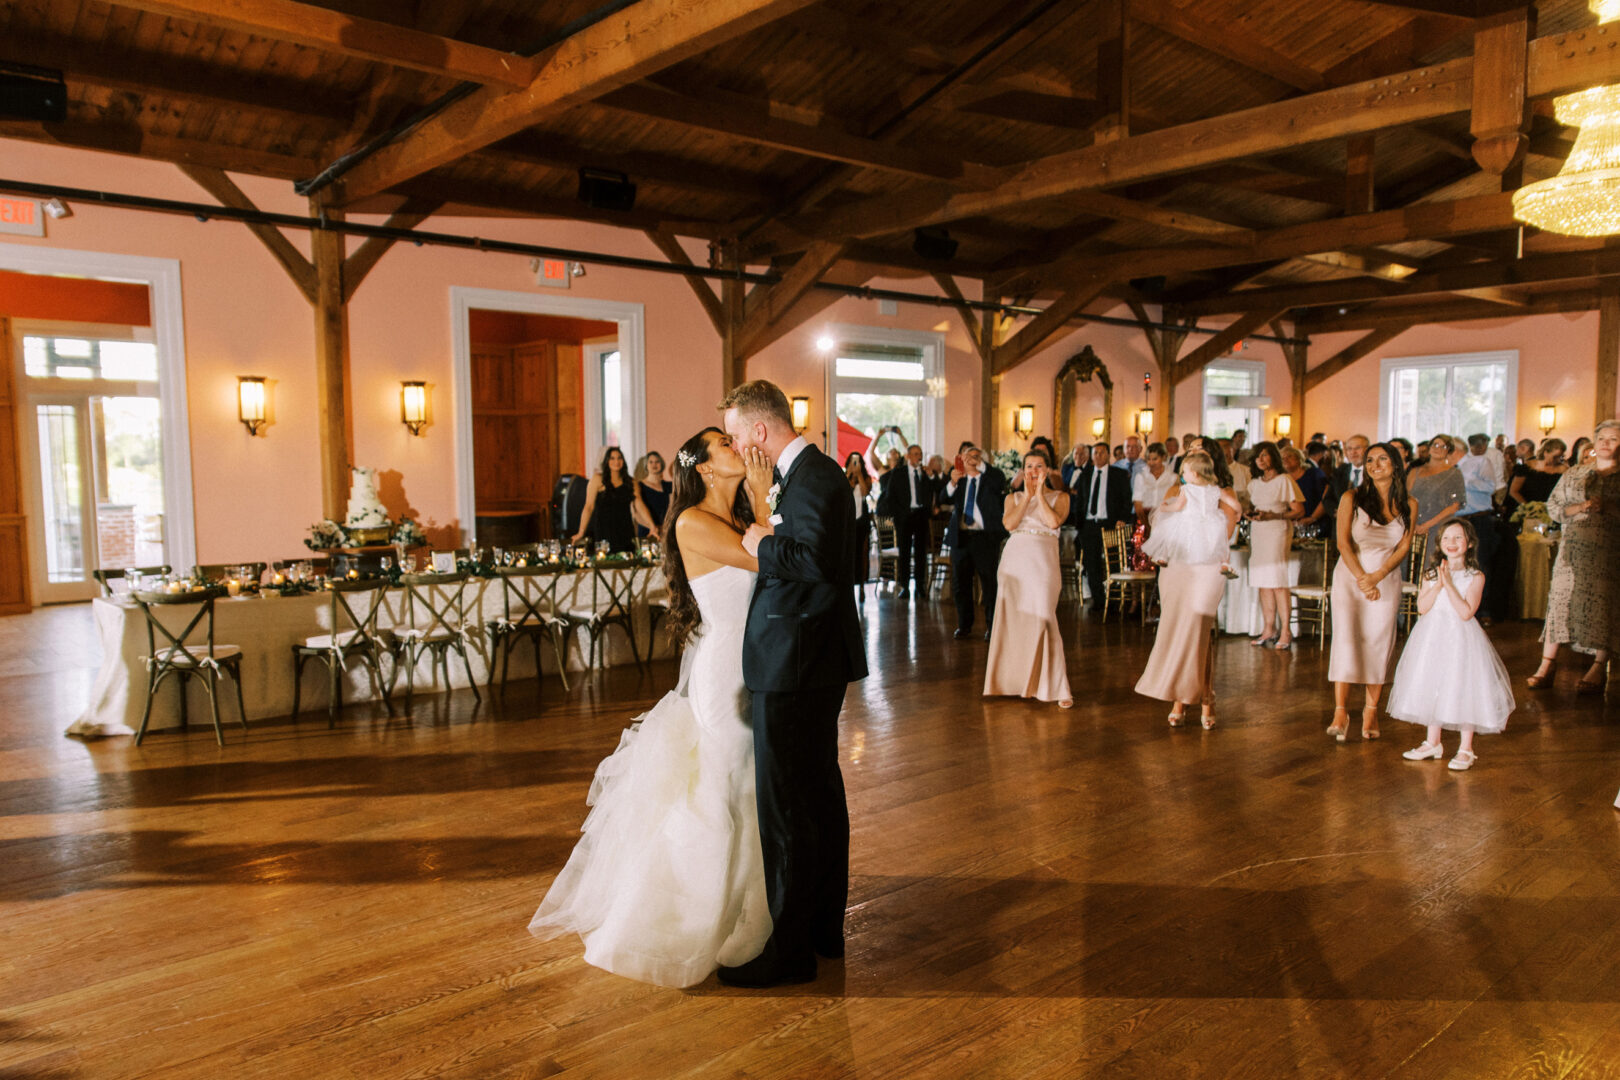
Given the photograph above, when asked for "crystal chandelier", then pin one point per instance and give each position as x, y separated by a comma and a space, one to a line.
1584, 198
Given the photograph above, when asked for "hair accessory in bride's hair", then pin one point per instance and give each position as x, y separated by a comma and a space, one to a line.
686, 458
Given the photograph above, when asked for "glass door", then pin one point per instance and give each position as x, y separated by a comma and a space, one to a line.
93, 425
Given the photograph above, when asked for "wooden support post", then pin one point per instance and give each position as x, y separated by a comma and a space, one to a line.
733, 360
1166, 345
1295, 353
1608, 357
16, 593
331, 367
1113, 70
990, 390
1500, 122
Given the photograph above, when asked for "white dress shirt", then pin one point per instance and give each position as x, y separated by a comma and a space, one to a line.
1098, 490
790, 454
971, 480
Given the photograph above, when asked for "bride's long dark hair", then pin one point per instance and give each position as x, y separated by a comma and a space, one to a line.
689, 491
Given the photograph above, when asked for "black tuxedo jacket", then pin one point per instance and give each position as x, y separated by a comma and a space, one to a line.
1118, 496
894, 492
803, 630
990, 501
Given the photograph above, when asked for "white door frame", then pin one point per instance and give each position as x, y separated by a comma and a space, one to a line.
631, 319
162, 278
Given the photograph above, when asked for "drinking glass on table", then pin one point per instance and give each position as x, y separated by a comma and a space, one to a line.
386, 562
499, 555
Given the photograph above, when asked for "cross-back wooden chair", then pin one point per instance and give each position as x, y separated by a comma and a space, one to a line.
603, 597
437, 600
352, 635
531, 591
107, 575
184, 658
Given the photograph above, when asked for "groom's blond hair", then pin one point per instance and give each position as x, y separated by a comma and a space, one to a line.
758, 399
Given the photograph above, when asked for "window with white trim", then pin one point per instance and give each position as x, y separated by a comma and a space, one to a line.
1234, 394
1459, 394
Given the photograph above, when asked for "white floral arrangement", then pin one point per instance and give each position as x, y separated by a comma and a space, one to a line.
1010, 462
408, 534
325, 535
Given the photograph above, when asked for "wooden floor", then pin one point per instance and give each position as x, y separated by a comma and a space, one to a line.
1036, 893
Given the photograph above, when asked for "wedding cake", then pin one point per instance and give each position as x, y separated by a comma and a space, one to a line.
366, 511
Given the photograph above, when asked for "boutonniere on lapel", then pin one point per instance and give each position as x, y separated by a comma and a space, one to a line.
773, 496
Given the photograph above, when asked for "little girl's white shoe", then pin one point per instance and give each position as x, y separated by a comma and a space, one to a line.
1461, 762
1426, 750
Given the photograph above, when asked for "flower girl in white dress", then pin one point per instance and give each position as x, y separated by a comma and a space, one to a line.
1449, 676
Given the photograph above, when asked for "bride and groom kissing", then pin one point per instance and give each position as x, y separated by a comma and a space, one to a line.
718, 835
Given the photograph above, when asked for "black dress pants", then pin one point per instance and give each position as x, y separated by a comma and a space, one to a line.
803, 819
911, 536
976, 553
1091, 557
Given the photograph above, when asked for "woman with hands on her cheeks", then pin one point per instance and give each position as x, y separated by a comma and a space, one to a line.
1375, 526
1026, 646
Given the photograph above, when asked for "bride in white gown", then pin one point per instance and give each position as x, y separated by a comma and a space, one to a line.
667, 881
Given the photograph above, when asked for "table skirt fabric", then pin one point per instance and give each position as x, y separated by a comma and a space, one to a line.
1240, 607
1536, 555
266, 629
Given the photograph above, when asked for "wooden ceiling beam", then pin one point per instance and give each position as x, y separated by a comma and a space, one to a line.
1228, 41
666, 170
1102, 204
1035, 333
333, 31
754, 123
1352, 352
135, 142
643, 39
1409, 97
523, 202
224, 190
365, 257
707, 297
1213, 348
767, 305
1447, 311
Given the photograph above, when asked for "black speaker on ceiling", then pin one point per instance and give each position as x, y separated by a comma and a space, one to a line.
933, 242
604, 189
32, 93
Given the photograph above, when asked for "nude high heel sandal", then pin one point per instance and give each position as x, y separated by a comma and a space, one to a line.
1369, 722
1340, 732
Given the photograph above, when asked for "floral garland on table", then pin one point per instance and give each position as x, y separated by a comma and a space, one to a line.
325, 535
408, 534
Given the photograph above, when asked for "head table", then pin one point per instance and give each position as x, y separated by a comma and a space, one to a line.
267, 626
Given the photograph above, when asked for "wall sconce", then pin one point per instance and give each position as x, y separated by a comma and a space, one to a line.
1549, 418
801, 414
250, 402
1283, 426
413, 406
1144, 422
1098, 426
1024, 421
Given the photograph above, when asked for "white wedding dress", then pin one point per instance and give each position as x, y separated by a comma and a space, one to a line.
667, 881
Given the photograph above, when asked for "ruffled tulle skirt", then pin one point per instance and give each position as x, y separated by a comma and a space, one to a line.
667, 881
1450, 675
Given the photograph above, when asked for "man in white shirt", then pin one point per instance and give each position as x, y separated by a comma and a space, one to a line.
1355, 463
1133, 462
1104, 495
1479, 487
976, 494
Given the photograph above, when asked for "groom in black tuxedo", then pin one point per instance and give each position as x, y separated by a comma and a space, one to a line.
802, 647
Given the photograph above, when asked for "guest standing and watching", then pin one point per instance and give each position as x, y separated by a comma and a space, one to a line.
1026, 648
906, 496
1437, 485
1278, 503
654, 490
860, 486
978, 497
613, 506
1105, 501
1583, 599
1374, 534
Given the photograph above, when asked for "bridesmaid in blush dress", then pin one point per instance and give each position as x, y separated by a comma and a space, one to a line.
1191, 537
1375, 532
1026, 647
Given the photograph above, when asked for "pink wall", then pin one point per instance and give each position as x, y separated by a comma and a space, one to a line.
255, 497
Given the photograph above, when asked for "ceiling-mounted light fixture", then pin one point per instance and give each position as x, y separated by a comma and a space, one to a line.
56, 208
1584, 198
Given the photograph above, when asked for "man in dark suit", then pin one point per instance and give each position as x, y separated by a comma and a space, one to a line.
977, 495
906, 496
802, 647
1347, 477
1103, 494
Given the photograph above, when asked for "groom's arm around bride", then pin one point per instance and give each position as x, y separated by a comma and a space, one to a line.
802, 646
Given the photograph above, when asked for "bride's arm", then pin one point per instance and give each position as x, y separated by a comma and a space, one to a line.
707, 542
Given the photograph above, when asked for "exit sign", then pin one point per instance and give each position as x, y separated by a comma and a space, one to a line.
552, 272
21, 217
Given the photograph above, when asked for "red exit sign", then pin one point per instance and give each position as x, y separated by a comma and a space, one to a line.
21, 217
552, 272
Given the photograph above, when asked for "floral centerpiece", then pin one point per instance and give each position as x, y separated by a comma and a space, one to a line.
1010, 462
326, 535
408, 534
1533, 517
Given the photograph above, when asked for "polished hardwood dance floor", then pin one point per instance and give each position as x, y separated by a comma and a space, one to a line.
1035, 893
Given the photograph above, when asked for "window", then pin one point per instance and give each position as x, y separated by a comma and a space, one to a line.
877, 379
1457, 395
88, 358
1234, 394
612, 398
